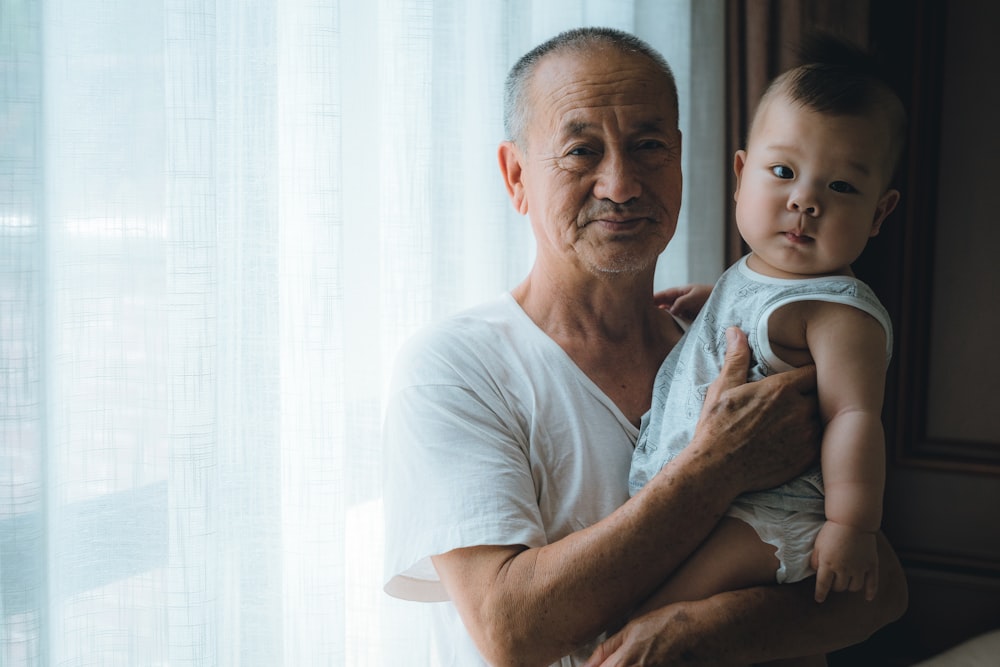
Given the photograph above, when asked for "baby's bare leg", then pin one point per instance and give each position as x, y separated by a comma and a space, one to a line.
732, 557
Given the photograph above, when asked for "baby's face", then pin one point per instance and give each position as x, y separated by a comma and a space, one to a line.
811, 189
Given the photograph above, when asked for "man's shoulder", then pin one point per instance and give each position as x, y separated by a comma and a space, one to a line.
476, 326
479, 337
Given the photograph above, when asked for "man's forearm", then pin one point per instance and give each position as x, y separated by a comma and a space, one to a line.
783, 621
545, 602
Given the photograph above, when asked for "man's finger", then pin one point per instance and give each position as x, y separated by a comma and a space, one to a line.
604, 651
737, 362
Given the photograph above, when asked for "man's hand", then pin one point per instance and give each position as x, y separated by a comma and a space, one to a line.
663, 637
683, 302
770, 429
845, 559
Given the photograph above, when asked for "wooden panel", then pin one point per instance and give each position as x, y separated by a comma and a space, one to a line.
963, 368
927, 305
939, 514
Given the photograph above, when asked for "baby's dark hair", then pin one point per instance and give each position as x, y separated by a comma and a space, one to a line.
836, 77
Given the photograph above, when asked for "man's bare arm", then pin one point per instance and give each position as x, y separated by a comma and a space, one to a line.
756, 625
531, 606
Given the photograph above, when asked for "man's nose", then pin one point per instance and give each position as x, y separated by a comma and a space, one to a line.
804, 200
617, 178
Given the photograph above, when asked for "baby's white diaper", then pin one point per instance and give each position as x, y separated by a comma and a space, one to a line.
791, 533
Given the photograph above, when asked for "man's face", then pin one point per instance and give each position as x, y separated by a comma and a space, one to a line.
600, 174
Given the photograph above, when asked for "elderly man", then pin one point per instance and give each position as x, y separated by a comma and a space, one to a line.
510, 427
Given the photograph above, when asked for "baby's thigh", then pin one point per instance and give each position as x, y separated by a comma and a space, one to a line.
732, 557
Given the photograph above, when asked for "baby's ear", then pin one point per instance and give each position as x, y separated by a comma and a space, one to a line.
885, 206
739, 161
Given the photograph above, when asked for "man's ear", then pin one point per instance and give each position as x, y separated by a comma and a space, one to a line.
510, 158
885, 206
739, 161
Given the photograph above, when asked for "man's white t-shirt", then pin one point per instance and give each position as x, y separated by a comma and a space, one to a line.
493, 436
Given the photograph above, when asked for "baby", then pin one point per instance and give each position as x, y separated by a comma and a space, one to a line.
812, 188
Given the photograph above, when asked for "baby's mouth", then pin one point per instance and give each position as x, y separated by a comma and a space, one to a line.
795, 237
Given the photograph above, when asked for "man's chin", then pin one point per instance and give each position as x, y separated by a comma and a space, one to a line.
624, 265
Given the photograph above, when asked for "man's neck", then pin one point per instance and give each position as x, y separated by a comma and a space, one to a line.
611, 329
615, 310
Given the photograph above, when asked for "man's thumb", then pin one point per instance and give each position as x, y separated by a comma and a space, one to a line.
737, 363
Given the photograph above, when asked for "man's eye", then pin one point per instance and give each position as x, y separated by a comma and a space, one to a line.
841, 186
781, 171
649, 145
580, 151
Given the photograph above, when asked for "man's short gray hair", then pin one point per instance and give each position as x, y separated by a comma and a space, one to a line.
515, 102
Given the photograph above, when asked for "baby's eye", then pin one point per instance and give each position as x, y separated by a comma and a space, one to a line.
842, 186
781, 171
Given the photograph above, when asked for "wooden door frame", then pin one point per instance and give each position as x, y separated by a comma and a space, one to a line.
907, 400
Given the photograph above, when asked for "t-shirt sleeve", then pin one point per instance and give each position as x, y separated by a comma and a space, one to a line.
458, 471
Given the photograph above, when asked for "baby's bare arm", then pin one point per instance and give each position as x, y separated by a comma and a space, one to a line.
848, 348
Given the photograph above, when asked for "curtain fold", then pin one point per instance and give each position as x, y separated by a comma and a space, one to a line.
218, 221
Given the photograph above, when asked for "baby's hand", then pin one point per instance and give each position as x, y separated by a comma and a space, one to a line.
845, 559
683, 302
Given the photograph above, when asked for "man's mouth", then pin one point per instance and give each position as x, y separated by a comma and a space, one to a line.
620, 224
618, 217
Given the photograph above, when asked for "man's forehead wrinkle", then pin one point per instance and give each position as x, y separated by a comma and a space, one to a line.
573, 97
575, 108
562, 74
573, 126
613, 90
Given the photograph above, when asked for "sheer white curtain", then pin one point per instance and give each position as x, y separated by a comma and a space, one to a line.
218, 220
